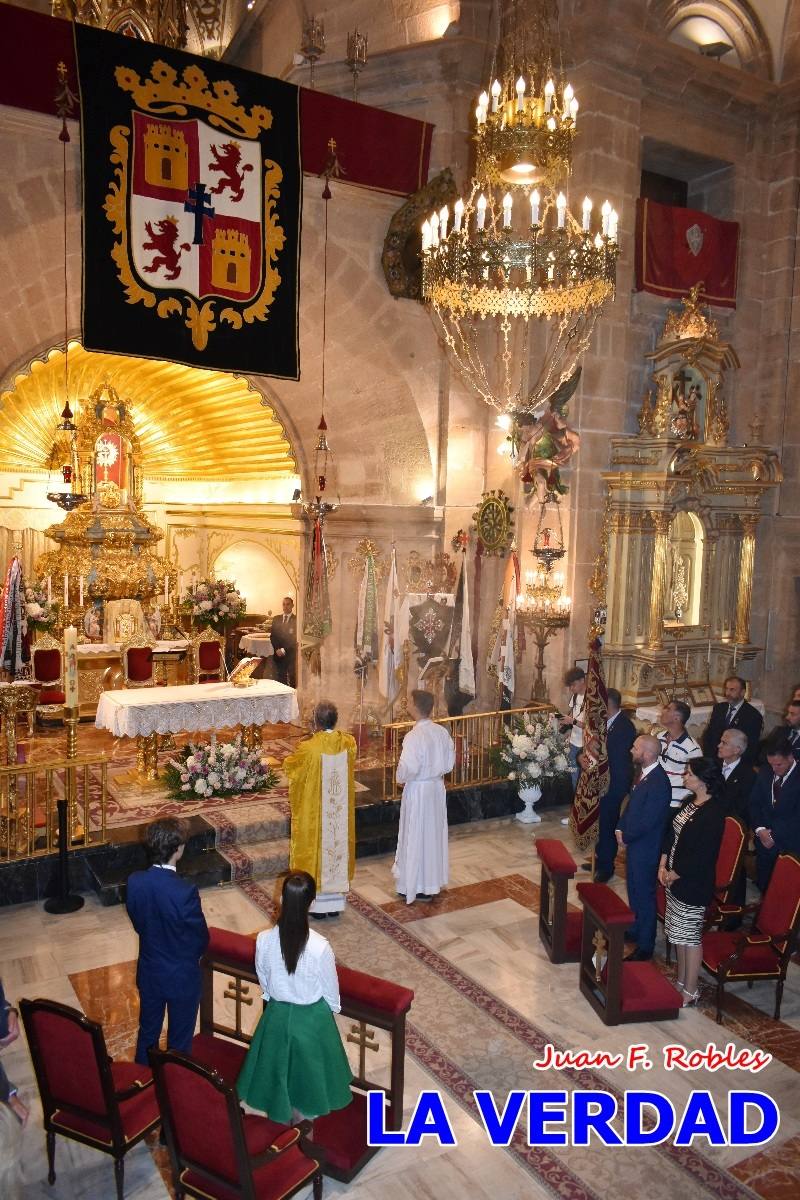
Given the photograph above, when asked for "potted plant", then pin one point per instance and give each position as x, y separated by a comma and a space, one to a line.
532, 753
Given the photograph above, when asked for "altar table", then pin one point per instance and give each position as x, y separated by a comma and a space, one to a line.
100, 669
144, 713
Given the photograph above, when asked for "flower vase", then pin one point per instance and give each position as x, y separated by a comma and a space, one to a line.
530, 796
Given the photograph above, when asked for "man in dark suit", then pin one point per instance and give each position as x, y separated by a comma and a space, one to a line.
620, 736
738, 775
283, 636
734, 712
641, 831
791, 727
775, 807
166, 913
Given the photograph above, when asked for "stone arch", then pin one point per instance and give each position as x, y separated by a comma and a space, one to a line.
737, 18
262, 575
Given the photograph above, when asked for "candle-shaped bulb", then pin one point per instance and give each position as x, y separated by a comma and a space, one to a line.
612, 225
549, 92
573, 110
495, 94
587, 213
434, 229
480, 209
444, 216
598, 242
606, 213
561, 208
426, 236
479, 115
520, 94
551, 124
483, 99
569, 94
535, 200
458, 214
507, 202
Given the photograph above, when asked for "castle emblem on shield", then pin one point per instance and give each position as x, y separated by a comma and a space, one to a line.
193, 202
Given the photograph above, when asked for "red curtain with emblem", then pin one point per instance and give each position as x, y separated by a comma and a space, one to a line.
679, 247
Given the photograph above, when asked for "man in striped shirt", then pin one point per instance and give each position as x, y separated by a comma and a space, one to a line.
677, 747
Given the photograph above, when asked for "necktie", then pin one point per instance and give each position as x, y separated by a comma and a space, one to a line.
729, 717
285, 618
776, 789
793, 736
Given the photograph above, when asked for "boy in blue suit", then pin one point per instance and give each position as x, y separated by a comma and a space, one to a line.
165, 912
641, 831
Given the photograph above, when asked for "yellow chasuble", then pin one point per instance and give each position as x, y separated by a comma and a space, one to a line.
304, 770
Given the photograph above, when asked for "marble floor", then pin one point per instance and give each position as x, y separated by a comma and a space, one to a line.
486, 1002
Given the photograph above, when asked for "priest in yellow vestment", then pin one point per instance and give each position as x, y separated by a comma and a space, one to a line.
321, 775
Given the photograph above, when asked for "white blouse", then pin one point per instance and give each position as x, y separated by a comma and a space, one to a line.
314, 978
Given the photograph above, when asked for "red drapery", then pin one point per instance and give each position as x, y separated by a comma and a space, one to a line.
377, 149
679, 247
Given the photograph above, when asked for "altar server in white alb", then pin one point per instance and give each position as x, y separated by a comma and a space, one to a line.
421, 864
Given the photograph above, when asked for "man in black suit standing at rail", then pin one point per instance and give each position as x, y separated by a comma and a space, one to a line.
734, 712
283, 636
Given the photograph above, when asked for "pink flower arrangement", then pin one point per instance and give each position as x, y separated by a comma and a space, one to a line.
217, 769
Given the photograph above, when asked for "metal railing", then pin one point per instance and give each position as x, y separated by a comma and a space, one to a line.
475, 736
28, 805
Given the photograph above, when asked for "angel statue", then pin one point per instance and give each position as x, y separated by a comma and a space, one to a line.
545, 443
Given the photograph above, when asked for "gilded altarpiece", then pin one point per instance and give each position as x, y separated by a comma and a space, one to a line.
681, 523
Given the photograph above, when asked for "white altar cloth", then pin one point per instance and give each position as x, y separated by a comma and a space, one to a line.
192, 708
254, 643
87, 649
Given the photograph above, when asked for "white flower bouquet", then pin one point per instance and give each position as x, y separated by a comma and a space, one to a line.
217, 769
40, 613
214, 603
532, 751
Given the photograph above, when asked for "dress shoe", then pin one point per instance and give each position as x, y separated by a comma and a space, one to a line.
640, 956
318, 916
602, 876
587, 866
424, 897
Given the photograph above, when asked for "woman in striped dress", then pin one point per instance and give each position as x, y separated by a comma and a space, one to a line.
688, 866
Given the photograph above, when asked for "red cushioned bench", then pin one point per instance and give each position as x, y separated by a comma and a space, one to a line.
559, 930
619, 992
340, 1137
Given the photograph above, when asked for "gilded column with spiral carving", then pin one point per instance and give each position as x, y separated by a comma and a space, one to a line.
744, 595
655, 632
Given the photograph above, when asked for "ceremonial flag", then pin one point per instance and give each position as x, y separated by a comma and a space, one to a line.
317, 622
461, 635
367, 618
192, 191
388, 684
594, 777
677, 248
504, 626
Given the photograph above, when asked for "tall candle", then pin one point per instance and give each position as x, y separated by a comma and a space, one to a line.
66, 591
708, 656
735, 652
166, 590
71, 667
80, 592
49, 589
676, 655
687, 664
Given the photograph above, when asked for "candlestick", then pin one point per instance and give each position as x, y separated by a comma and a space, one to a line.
71, 667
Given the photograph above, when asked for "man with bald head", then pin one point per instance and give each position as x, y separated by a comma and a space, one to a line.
640, 831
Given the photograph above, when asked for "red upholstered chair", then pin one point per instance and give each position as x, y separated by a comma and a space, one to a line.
729, 861
620, 992
138, 669
559, 930
207, 657
764, 951
341, 1136
246, 1157
85, 1096
47, 669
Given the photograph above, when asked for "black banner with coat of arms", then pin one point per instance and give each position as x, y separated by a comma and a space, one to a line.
192, 191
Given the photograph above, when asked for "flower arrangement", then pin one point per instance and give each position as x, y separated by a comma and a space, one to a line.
214, 603
217, 769
533, 752
40, 613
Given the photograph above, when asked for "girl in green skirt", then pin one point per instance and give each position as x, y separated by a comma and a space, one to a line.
296, 1063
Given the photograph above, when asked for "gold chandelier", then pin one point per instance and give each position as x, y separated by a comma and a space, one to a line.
512, 251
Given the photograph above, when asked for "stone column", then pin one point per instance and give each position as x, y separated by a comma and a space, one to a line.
655, 633
744, 595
